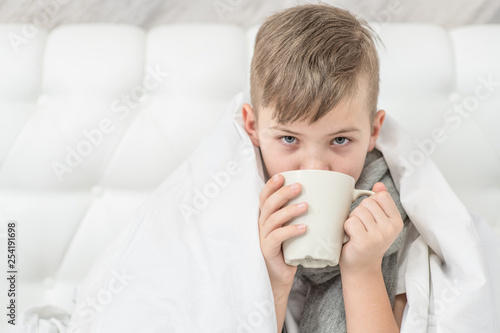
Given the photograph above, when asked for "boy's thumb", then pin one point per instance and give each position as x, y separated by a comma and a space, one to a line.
379, 187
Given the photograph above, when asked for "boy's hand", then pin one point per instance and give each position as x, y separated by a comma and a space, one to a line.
372, 227
271, 230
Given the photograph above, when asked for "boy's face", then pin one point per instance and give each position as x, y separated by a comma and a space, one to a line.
339, 141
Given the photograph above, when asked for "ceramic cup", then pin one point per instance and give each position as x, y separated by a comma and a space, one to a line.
329, 196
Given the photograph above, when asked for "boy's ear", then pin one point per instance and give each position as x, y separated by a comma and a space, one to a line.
377, 125
250, 125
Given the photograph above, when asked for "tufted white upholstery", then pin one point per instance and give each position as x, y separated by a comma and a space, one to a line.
133, 104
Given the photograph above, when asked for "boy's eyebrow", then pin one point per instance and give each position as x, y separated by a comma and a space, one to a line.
343, 130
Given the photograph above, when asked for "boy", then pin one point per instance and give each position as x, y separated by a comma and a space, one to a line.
314, 90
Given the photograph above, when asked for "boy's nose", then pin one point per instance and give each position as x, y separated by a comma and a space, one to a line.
315, 164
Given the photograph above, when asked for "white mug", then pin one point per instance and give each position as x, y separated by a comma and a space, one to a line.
329, 196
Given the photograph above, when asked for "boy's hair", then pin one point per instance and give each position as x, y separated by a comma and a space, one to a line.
308, 58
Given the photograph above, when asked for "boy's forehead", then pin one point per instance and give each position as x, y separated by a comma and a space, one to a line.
348, 113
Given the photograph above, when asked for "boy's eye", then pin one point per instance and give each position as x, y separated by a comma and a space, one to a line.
287, 139
341, 141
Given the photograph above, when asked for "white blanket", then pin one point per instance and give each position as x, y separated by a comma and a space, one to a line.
191, 261
452, 270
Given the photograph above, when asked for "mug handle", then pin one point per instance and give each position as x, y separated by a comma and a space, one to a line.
357, 194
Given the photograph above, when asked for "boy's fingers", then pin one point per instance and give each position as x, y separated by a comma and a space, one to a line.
387, 204
280, 217
375, 209
385, 201
278, 236
276, 200
273, 184
365, 217
353, 226
379, 187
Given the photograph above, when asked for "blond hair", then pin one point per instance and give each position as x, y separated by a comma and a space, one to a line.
309, 58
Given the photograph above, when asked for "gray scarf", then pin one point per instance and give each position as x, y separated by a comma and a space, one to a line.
324, 304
